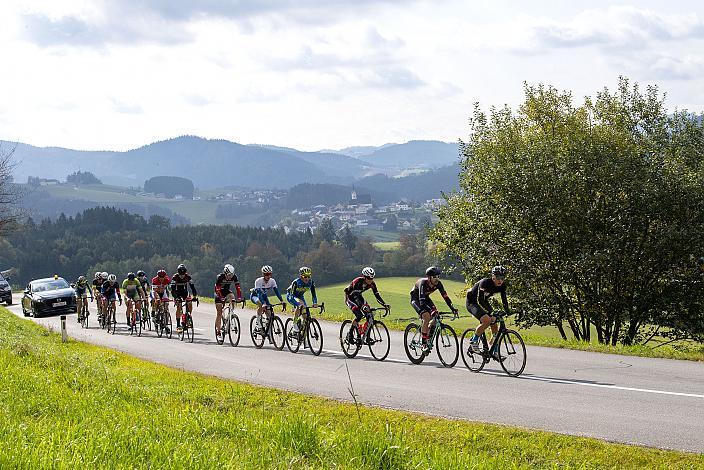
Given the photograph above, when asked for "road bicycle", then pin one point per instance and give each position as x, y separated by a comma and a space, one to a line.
100, 303
508, 349
109, 317
187, 331
271, 327
162, 319
146, 318
136, 317
309, 334
440, 334
376, 336
84, 313
230, 323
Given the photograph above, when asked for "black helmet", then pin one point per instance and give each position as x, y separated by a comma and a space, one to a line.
433, 271
700, 261
130, 276
499, 272
141, 273
181, 269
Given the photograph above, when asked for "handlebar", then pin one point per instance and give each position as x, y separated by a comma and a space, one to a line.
283, 306
387, 309
320, 306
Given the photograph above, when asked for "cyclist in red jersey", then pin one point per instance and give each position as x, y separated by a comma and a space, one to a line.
354, 299
160, 290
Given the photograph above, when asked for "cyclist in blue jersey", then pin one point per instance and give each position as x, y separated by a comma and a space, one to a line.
295, 294
82, 288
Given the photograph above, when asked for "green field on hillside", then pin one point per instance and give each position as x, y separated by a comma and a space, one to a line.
75, 405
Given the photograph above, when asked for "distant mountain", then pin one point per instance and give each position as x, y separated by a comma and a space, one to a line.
219, 163
421, 187
416, 153
357, 152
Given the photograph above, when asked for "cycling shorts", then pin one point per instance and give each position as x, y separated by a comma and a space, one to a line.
296, 301
428, 306
222, 300
355, 303
477, 311
134, 295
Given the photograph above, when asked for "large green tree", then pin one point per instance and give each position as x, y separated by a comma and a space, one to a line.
597, 208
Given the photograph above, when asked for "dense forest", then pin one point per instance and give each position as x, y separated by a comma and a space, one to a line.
108, 239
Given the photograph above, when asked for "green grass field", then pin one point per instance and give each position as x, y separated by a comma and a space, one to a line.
387, 246
75, 405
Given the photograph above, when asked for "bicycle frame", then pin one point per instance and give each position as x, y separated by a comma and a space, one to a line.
438, 324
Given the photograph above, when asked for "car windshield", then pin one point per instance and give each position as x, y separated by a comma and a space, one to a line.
50, 285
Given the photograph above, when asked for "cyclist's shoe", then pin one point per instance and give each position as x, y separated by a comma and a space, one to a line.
218, 333
497, 357
80, 319
425, 348
474, 347
350, 337
179, 329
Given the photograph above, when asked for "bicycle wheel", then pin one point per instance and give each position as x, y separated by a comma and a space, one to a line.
412, 343
256, 333
233, 331
447, 347
168, 324
188, 330
349, 349
315, 337
220, 338
112, 325
473, 360
158, 324
512, 352
293, 341
84, 316
276, 331
379, 340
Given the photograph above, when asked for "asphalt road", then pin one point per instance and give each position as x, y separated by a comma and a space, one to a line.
651, 402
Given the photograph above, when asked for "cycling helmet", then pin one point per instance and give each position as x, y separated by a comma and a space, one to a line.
130, 276
267, 269
161, 273
97, 275
499, 272
112, 278
368, 272
228, 269
700, 261
81, 279
104, 275
305, 271
181, 269
433, 271
141, 273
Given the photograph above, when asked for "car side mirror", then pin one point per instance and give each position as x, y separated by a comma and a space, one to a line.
73, 286
26, 291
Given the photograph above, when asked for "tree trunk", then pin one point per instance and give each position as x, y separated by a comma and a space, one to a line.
631, 333
561, 329
617, 330
575, 329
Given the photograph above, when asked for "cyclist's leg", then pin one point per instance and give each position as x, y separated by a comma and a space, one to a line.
260, 307
219, 304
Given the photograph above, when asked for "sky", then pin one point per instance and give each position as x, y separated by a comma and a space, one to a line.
314, 74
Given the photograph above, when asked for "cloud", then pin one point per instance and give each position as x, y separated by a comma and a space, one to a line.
620, 27
165, 21
126, 108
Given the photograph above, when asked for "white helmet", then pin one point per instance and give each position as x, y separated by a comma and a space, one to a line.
229, 269
368, 272
104, 275
267, 269
112, 278
97, 275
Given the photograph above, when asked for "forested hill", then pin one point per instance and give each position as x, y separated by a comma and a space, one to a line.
106, 239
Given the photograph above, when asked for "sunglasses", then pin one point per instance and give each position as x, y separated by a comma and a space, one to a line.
305, 277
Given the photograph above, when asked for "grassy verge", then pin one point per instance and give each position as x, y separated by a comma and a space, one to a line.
75, 405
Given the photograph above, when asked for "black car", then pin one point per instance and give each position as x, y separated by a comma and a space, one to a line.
5, 291
48, 296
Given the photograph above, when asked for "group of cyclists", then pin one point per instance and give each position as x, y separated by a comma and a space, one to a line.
137, 288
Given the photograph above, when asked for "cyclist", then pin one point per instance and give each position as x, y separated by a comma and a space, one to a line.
423, 305
263, 286
160, 291
82, 289
355, 301
101, 277
134, 294
146, 287
223, 293
180, 282
478, 304
296, 291
110, 290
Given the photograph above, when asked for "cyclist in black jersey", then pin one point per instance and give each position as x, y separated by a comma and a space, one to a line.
422, 303
478, 303
354, 299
